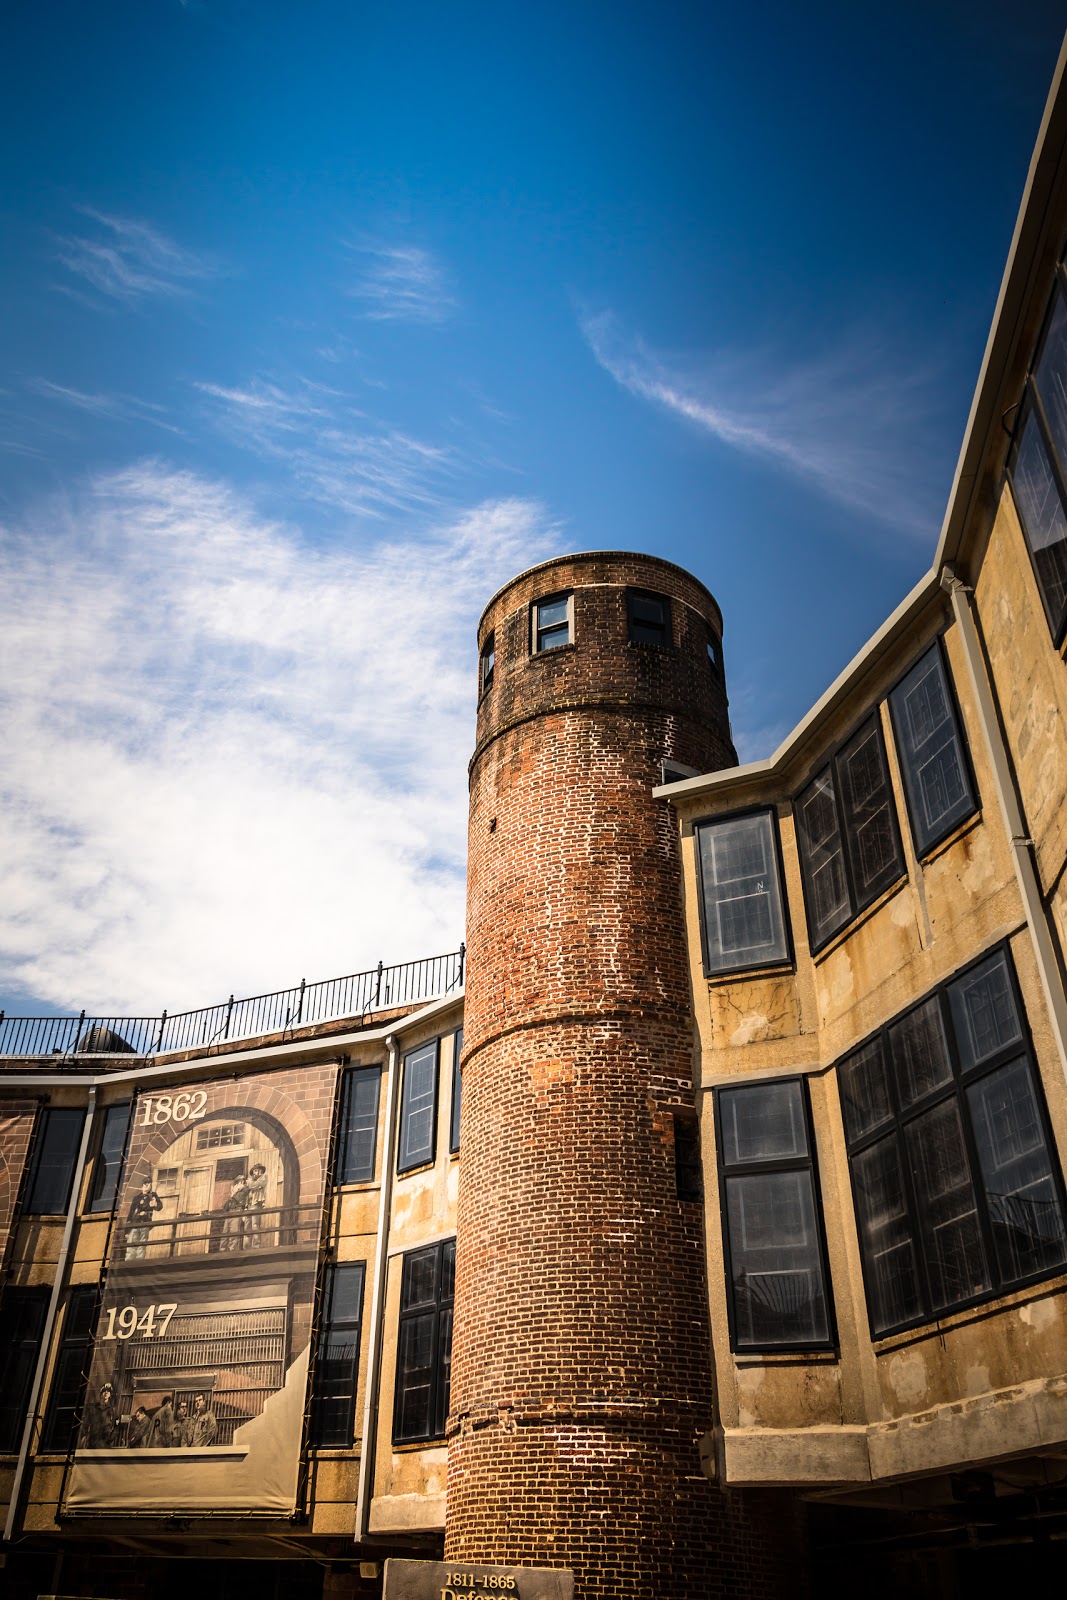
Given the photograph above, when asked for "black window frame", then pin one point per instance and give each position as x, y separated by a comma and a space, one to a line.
539, 633
487, 665
456, 1108
773, 964
23, 1312
354, 1077
715, 660
70, 1373
634, 623
437, 1310
830, 768
937, 837
425, 1155
336, 1382
688, 1167
107, 1165
38, 1174
955, 1090
753, 1168
1032, 406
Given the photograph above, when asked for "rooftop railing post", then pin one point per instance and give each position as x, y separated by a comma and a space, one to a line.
229, 1014
462, 959
78, 1033
378, 985
300, 1002
162, 1025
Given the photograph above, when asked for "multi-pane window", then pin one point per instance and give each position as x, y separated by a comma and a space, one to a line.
551, 623
22, 1314
1038, 463
71, 1370
933, 759
424, 1343
359, 1125
217, 1135
486, 664
418, 1108
776, 1268
333, 1408
55, 1155
457, 1091
109, 1157
648, 618
741, 893
955, 1190
847, 834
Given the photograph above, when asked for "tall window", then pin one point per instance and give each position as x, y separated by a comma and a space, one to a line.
72, 1369
956, 1193
359, 1125
109, 1157
937, 779
22, 1314
1038, 463
487, 664
552, 623
333, 1410
687, 1180
772, 1229
847, 834
55, 1156
424, 1343
741, 893
418, 1108
648, 618
457, 1091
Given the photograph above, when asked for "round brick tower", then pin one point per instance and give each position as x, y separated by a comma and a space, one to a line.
581, 1381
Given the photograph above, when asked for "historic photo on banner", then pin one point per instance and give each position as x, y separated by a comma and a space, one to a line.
16, 1127
198, 1379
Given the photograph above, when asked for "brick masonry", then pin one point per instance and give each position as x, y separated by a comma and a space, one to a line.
581, 1382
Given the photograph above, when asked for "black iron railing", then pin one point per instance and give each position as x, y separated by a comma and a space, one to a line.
359, 994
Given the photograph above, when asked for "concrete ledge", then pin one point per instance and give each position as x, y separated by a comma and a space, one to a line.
407, 1513
795, 1455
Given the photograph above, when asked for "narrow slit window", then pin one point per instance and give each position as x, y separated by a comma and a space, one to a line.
487, 664
424, 1343
359, 1125
418, 1108
70, 1379
108, 1161
333, 1406
743, 904
457, 1092
937, 780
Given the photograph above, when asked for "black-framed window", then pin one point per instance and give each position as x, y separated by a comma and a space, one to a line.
487, 664
333, 1406
551, 622
418, 1107
938, 784
457, 1092
847, 834
1037, 463
424, 1343
357, 1156
742, 903
55, 1155
648, 618
71, 1374
108, 1163
957, 1193
687, 1175
715, 653
22, 1314
777, 1276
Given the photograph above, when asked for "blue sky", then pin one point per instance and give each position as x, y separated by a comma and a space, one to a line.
321, 321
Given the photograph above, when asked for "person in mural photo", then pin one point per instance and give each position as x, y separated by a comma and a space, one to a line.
255, 1199
101, 1420
161, 1435
139, 1429
203, 1425
183, 1424
143, 1207
233, 1222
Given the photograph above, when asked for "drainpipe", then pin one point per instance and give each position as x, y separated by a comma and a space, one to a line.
1022, 849
50, 1320
377, 1313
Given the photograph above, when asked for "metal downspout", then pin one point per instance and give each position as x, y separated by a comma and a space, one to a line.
1022, 849
369, 1440
50, 1320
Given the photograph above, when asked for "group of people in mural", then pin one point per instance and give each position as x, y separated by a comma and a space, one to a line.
242, 1213
168, 1426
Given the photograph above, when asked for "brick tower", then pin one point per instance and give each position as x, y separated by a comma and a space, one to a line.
581, 1379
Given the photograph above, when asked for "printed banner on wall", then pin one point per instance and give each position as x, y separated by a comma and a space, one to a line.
16, 1129
198, 1378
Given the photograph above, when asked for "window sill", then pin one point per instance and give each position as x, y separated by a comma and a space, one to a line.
367, 1186
335, 1452
991, 1305
822, 1357
413, 1172
842, 935
951, 838
409, 1448
729, 974
553, 655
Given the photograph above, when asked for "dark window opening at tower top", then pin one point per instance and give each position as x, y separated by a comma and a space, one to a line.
486, 665
552, 622
649, 618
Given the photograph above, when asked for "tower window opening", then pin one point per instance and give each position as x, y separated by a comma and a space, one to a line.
553, 622
648, 617
486, 665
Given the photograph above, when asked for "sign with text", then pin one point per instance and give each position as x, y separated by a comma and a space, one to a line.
198, 1378
466, 1580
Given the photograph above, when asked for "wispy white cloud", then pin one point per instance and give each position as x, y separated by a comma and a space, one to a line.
333, 451
849, 422
399, 283
120, 407
232, 759
129, 260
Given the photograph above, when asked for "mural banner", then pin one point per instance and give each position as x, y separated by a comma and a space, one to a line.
198, 1379
16, 1129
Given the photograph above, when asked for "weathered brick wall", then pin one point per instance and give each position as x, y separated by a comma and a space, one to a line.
581, 1375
